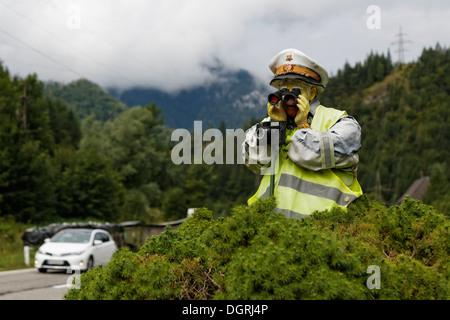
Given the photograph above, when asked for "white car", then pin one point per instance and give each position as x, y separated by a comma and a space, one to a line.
75, 249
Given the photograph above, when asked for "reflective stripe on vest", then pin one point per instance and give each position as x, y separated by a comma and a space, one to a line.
311, 188
300, 192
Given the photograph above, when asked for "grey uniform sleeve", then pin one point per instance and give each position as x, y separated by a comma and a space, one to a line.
336, 148
255, 156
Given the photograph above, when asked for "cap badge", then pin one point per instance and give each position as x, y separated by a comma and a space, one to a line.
289, 57
288, 67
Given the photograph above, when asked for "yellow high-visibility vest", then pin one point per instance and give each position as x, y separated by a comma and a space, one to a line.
300, 192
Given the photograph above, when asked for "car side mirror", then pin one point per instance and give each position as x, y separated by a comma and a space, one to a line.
47, 240
97, 242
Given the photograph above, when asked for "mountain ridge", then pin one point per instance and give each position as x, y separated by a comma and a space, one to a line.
86, 98
236, 99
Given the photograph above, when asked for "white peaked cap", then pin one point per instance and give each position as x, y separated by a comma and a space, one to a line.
294, 64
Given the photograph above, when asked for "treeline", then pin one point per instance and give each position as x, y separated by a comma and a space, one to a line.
55, 167
86, 98
362, 75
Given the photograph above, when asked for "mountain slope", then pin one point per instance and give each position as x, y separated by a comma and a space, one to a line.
86, 98
235, 99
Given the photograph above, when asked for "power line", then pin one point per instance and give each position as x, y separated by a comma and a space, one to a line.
401, 48
55, 55
42, 54
64, 42
14, 61
126, 52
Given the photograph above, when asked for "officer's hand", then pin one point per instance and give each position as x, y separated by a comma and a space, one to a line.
303, 110
276, 113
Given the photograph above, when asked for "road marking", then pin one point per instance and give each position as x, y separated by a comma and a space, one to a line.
60, 286
17, 271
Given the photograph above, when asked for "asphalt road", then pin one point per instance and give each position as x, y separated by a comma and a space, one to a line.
29, 284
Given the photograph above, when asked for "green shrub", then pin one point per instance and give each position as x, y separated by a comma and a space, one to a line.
259, 254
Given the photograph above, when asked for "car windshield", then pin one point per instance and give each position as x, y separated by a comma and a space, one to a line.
73, 236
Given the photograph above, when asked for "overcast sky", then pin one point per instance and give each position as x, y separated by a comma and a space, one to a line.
171, 44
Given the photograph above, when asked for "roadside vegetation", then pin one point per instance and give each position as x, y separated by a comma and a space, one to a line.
256, 253
11, 245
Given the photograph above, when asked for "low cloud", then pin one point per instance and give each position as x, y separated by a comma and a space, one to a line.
173, 44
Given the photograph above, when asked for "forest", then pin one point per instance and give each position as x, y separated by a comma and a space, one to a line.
80, 154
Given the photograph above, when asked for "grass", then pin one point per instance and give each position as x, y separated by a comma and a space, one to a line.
11, 245
15, 260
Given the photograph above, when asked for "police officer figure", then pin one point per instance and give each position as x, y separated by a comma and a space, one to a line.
317, 164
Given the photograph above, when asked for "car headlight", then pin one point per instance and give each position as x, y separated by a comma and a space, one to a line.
77, 253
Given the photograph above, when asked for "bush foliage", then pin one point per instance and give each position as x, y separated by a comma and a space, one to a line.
258, 254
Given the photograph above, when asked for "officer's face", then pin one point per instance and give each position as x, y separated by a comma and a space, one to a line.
306, 91
292, 109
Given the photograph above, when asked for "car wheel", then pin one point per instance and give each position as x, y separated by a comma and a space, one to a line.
43, 270
90, 263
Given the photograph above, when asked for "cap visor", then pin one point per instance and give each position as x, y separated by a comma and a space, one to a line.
297, 76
